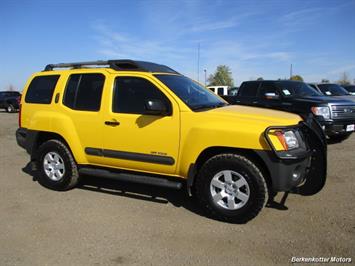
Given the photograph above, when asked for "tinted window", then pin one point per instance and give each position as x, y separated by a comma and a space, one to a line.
350, 88
333, 89
41, 89
295, 88
191, 93
248, 89
220, 91
84, 92
131, 94
268, 88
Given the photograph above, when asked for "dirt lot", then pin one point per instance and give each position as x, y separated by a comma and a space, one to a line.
110, 223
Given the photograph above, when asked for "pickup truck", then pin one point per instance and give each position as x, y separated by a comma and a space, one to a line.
9, 100
336, 116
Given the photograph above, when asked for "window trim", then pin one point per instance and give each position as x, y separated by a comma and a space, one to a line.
170, 105
77, 90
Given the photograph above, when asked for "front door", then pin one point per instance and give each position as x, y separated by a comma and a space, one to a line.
135, 140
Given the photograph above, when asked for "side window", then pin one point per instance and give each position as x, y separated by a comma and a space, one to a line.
131, 94
268, 88
220, 91
84, 91
248, 89
41, 89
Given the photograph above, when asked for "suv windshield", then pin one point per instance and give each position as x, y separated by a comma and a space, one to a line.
191, 93
333, 89
294, 88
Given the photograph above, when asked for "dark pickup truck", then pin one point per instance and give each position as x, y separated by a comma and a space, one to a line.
9, 100
336, 116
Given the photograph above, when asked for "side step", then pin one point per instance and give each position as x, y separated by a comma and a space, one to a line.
135, 178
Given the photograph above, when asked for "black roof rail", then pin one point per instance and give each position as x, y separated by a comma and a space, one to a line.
122, 64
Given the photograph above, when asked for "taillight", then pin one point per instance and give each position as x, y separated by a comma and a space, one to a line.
19, 110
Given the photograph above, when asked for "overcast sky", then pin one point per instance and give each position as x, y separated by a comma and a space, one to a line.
254, 38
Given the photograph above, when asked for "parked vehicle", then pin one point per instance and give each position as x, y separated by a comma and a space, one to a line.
350, 89
331, 89
143, 122
336, 116
219, 90
9, 100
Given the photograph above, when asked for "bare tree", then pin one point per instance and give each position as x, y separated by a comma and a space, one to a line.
344, 79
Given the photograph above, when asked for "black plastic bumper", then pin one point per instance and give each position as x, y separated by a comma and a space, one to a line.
285, 174
335, 127
26, 139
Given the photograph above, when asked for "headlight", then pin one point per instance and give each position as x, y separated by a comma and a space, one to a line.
288, 139
321, 111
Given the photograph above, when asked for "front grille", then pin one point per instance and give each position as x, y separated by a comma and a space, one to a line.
343, 111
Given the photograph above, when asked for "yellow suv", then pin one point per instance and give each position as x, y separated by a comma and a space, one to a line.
144, 122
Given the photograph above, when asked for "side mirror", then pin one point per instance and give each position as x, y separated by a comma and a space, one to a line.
155, 107
272, 96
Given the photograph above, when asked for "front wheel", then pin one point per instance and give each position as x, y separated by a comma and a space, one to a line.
231, 188
56, 165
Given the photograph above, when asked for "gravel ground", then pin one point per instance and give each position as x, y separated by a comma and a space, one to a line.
103, 222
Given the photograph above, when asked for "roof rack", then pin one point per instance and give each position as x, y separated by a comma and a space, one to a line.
122, 65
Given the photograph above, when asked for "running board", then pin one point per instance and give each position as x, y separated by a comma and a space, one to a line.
135, 178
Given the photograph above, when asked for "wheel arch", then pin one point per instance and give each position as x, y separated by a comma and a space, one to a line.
43, 136
212, 151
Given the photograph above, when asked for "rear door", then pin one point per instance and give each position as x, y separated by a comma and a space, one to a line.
82, 105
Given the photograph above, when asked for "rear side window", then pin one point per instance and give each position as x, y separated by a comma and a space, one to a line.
41, 89
131, 94
268, 88
248, 89
220, 91
84, 91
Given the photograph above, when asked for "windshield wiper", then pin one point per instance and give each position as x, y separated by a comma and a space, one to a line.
208, 106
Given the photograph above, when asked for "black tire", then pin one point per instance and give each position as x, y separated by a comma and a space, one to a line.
71, 174
334, 139
258, 191
10, 108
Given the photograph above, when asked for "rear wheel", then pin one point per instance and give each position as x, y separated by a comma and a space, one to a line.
56, 165
231, 188
10, 108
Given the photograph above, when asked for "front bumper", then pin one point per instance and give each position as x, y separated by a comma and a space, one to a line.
285, 174
303, 170
335, 127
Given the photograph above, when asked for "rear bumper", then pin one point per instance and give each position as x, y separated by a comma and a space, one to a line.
26, 139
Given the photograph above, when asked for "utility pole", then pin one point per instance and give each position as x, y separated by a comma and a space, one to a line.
205, 76
291, 71
198, 63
